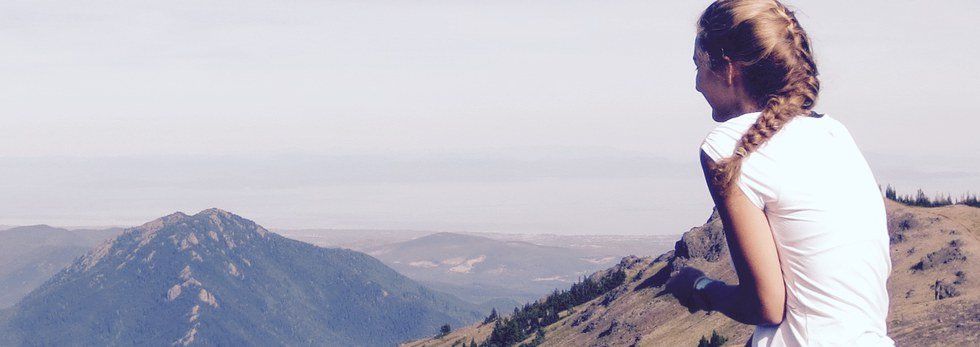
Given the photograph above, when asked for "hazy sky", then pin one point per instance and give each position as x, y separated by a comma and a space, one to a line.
545, 116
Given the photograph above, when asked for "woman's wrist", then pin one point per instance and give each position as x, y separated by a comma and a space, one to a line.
699, 289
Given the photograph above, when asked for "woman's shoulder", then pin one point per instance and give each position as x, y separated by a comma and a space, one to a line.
721, 140
820, 128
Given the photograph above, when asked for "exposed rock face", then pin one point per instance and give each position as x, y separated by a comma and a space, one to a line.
945, 255
944, 290
215, 278
174, 292
932, 301
706, 242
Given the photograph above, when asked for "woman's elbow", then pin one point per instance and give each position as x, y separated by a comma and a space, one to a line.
768, 308
772, 304
771, 315
756, 311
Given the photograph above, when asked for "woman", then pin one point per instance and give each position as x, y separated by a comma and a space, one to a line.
803, 214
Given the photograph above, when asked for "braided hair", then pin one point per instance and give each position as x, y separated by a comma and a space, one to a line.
763, 39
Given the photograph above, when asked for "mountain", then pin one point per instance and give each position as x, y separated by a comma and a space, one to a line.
215, 278
597, 247
514, 268
356, 239
606, 248
934, 296
491, 272
29, 255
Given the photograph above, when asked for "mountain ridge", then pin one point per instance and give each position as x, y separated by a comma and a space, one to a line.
488, 272
217, 278
31, 254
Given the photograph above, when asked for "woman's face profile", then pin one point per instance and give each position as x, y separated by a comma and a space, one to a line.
713, 86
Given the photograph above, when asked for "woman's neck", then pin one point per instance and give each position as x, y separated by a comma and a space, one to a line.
744, 108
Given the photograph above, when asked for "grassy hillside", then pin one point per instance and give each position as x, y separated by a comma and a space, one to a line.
935, 299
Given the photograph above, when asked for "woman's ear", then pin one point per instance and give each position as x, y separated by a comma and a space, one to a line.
730, 71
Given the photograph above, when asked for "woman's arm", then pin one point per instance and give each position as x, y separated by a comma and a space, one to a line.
760, 296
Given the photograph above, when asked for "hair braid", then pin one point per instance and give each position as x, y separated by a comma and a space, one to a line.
774, 51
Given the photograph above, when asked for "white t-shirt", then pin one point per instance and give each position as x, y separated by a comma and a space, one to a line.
827, 217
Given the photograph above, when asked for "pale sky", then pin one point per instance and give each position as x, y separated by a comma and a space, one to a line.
509, 116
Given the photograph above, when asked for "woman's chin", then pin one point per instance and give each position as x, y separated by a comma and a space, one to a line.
717, 116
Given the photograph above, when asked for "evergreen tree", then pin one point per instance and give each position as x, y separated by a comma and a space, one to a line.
703, 342
492, 317
717, 340
921, 199
533, 317
969, 200
890, 193
444, 330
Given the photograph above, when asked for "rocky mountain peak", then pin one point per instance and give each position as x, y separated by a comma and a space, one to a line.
703, 242
217, 278
211, 233
216, 211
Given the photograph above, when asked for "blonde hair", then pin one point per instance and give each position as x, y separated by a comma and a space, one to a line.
763, 39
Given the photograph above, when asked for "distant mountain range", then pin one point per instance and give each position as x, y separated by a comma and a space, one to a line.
501, 274
215, 278
597, 247
526, 266
355, 239
493, 270
593, 246
29, 255
934, 296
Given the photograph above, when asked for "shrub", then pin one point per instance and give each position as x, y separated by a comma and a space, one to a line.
715, 340
444, 330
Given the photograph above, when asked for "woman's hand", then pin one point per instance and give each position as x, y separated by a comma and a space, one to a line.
681, 286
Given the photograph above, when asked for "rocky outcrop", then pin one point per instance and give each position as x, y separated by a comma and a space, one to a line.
949, 253
705, 242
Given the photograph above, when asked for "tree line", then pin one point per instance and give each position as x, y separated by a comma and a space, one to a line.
529, 320
922, 200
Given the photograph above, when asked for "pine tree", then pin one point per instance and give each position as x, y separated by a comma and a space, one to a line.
716, 340
969, 200
533, 317
492, 317
444, 330
890, 193
703, 342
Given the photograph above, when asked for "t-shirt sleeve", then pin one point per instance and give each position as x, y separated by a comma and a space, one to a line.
719, 144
